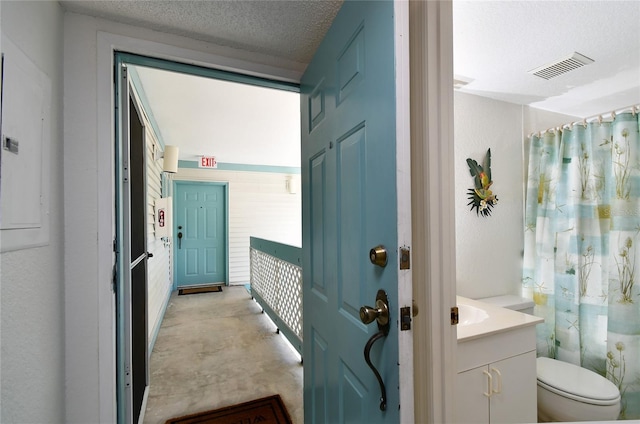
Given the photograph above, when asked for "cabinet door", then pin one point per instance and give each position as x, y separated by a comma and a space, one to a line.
472, 405
515, 381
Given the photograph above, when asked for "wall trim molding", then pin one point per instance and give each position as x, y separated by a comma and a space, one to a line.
222, 166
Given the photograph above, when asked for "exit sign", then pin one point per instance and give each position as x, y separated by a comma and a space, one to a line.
207, 162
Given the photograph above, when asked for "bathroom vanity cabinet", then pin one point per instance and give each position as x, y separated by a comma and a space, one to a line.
499, 392
496, 365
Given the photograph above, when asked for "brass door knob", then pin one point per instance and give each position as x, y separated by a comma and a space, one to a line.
380, 313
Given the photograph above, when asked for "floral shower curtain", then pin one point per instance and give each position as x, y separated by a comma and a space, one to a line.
582, 249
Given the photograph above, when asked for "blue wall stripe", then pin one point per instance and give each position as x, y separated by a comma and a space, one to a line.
193, 164
135, 79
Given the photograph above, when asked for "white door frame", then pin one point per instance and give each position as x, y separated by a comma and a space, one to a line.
433, 219
433, 259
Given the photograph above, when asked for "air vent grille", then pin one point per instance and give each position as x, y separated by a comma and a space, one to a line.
562, 66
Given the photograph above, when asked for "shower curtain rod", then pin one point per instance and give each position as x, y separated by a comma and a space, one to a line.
633, 109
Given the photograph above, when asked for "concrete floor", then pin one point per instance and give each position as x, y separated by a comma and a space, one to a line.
218, 349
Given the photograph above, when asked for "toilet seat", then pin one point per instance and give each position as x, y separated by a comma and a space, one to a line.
576, 383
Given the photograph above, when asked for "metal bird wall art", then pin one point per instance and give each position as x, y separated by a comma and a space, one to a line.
481, 198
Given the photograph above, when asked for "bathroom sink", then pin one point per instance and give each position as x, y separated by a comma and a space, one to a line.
469, 314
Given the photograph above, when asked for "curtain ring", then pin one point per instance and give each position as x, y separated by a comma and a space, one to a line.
633, 111
584, 123
571, 126
613, 115
600, 119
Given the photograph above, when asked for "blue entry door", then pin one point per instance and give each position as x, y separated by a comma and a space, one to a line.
200, 233
351, 192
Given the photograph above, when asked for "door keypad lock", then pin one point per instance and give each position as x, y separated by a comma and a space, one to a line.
378, 256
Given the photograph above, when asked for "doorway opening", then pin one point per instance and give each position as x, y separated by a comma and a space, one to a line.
256, 190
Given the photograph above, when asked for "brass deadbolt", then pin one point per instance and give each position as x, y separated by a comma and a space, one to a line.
378, 256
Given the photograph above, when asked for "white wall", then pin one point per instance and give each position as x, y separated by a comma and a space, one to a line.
259, 206
489, 250
32, 280
89, 198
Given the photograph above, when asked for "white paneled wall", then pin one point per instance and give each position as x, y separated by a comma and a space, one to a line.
159, 283
260, 206
158, 278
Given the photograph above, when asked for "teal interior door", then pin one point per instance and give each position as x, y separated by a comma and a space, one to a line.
200, 233
348, 107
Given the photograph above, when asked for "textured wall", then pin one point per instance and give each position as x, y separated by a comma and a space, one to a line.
489, 250
32, 280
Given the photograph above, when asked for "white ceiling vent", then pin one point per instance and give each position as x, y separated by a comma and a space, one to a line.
559, 67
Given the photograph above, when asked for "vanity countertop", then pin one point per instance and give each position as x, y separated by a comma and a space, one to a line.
489, 319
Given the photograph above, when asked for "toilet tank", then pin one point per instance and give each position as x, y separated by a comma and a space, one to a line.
510, 301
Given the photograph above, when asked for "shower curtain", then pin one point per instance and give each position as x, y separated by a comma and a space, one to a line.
582, 249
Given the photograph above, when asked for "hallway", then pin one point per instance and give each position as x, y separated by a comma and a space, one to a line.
218, 349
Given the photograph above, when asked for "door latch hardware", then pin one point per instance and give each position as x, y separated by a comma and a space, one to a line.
405, 258
405, 318
381, 314
11, 144
455, 317
378, 256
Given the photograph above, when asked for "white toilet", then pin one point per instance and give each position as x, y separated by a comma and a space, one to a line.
567, 392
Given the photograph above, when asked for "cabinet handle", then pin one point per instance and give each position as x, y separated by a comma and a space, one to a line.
488, 393
499, 381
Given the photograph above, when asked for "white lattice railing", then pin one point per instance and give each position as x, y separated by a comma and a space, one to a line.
276, 284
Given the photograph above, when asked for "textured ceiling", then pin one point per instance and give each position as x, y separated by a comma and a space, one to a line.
496, 43
284, 29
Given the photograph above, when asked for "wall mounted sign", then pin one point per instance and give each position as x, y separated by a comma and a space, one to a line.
207, 162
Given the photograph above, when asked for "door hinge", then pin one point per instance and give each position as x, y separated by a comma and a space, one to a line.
125, 172
455, 318
405, 258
